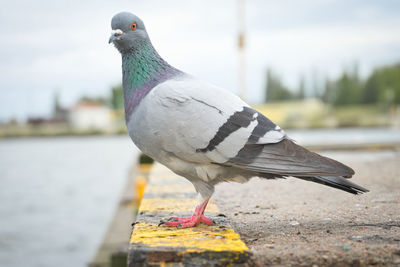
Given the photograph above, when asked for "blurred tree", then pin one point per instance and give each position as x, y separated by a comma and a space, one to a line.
276, 91
370, 92
316, 86
301, 91
117, 97
383, 86
328, 95
344, 91
343, 87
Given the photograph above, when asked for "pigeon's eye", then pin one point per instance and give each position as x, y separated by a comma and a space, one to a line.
133, 26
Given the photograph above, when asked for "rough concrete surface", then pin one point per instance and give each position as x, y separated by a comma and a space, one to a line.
299, 223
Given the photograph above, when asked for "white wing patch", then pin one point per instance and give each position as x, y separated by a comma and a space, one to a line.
272, 136
232, 144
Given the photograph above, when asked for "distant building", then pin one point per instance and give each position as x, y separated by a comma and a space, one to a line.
60, 114
37, 121
90, 115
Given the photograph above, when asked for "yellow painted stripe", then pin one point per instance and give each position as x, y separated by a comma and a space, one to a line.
140, 186
166, 196
197, 239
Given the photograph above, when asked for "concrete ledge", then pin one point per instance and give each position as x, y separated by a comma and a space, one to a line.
168, 195
297, 223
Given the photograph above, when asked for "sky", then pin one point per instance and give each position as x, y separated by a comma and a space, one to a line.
50, 47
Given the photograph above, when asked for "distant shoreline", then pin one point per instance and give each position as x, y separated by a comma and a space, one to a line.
315, 139
50, 131
27, 131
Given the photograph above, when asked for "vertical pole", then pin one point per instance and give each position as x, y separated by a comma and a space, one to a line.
241, 46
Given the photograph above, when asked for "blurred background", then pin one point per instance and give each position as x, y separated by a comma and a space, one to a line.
327, 71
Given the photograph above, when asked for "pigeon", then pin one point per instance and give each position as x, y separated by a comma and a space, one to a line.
205, 133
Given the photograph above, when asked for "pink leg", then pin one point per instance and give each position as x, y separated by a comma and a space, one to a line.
186, 222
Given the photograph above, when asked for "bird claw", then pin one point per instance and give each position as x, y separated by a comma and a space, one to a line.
186, 222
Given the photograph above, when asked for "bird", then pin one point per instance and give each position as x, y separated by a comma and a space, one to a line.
205, 133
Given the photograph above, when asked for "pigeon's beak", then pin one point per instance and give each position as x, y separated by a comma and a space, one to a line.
115, 34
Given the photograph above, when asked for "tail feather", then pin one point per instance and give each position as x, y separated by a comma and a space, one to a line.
337, 182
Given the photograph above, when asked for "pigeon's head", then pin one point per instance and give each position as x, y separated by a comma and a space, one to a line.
128, 31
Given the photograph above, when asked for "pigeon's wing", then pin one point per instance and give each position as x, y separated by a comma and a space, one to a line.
210, 125
204, 123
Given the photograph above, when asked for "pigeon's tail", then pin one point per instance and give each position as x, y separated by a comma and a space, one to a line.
285, 159
337, 182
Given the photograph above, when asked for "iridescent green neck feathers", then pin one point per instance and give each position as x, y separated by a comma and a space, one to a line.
142, 70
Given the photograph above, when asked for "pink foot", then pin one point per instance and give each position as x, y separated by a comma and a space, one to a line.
186, 222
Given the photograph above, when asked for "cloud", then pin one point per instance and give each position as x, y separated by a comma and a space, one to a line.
62, 45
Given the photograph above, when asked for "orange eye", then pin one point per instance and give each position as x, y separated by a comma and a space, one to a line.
133, 26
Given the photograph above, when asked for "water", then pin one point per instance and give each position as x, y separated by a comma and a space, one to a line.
57, 196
